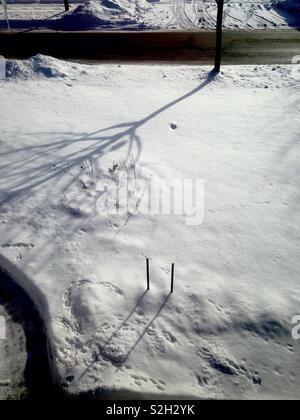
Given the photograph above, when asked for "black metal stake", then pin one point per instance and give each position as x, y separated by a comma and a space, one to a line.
67, 6
172, 278
148, 274
219, 34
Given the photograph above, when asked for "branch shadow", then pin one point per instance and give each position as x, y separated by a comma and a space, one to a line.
20, 178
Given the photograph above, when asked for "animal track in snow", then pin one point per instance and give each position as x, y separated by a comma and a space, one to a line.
169, 337
158, 341
139, 312
67, 298
112, 225
139, 380
226, 366
204, 378
166, 271
218, 308
159, 384
113, 287
219, 363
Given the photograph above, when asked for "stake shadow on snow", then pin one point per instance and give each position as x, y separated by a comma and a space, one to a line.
102, 349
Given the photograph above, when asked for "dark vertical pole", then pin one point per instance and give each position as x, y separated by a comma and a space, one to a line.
148, 274
219, 35
67, 6
172, 278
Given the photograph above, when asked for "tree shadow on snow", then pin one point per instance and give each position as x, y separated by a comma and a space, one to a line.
290, 11
27, 25
89, 146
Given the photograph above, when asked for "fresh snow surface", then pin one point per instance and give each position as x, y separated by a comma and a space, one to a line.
143, 14
67, 131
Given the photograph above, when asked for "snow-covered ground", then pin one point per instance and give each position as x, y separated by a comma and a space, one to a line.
67, 132
143, 14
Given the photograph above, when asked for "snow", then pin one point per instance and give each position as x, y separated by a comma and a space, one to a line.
4, 5
67, 130
143, 14
255, 15
106, 14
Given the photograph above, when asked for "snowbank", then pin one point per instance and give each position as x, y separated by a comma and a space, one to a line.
104, 14
38, 66
45, 67
67, 131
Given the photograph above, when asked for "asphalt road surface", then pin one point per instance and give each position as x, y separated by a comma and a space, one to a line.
195, 47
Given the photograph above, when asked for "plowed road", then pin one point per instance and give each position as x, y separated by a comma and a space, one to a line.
197, 47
